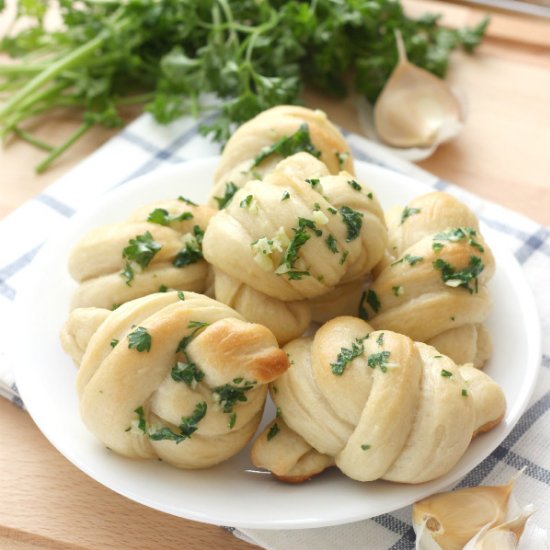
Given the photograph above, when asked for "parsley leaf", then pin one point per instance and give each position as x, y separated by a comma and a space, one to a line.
192, 252
228, 395
407, 213
347, 355
161, 216
353, 221
289, 145
139, 339
141, 249
378, 360
230, 190
462, 278
273, 431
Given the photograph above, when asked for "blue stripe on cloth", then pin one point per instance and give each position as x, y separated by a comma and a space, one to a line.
168, 152
545, 361
146, 145
7, 291
54, 204
391, 523
518, 462
441, 185
532, 243
10, 270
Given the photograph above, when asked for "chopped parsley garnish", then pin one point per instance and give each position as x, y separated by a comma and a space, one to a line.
181, 295
301, 236
397, 290
278, 413
378, 360
187, 427
314, 182
192, 252
370, 195
115, 306
464, 393
141, 249
365, 447
459, 234
113, 342
188, 373
380, 339
273, 431
187, 201
438, 356
411, 260
354, 185
232, 420
286, 196
139, 339
331, 244
142, 425
347, 355
332, 210
436, 247
373, 301
407, 213
362, 310
446, 373
161, 216
344, 256
246, 202
163, 288
353, 221
186, 340
464, 277
295, 275
342, 157
228, 395
230, 190
289, 145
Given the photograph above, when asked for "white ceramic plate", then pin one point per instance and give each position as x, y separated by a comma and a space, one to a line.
234, 493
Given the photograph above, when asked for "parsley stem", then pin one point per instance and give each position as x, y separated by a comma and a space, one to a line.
50, 73
75, 136
32, 140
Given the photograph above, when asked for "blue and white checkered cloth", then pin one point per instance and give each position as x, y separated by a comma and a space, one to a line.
144, 146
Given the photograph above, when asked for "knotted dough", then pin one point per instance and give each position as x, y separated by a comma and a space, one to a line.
237, 167
295, 236
169, 251
433, 284
172, 375
376, 404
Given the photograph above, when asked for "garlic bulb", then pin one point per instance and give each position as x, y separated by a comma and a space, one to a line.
415, 108
448, 521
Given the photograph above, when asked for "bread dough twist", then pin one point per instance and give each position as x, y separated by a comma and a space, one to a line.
237, 164
294, 236
172, 375
166, 255
376, 404
433, 286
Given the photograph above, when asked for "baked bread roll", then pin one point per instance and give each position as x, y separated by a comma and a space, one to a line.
258, 145
172, 375
294, 236
157, 248
375, 404
433, 287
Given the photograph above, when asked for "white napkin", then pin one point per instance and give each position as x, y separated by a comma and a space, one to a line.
143, 146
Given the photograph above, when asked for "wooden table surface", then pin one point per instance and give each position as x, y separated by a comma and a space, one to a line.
503, 154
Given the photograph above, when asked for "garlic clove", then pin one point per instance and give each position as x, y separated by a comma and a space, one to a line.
415, 108
504, 536
452, 519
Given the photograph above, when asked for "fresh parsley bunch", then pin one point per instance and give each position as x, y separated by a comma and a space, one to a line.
184, 57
